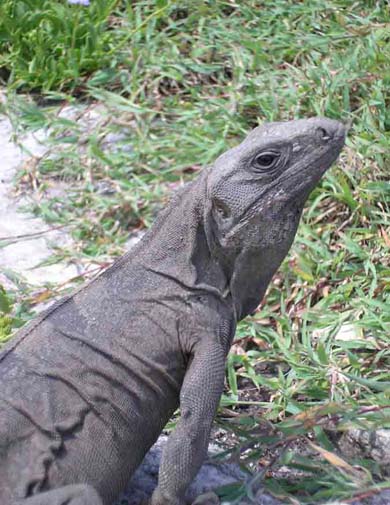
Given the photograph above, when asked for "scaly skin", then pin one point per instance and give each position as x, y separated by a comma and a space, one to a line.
88, 386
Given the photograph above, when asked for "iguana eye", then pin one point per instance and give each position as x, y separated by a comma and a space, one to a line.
266, 160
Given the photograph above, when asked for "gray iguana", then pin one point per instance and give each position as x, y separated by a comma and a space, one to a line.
88, 386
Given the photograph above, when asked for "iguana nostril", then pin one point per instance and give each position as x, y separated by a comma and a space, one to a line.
323, 134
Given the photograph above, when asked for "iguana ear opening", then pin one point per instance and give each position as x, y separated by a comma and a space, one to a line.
217, 222
221, 210
222, 216
209, 226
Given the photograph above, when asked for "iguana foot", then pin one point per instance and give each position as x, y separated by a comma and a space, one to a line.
209, 498
159, 498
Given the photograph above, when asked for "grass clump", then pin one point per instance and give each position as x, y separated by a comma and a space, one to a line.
52, 45
176, 85
5, 318
13, 314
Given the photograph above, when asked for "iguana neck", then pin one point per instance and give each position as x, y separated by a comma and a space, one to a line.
177, 246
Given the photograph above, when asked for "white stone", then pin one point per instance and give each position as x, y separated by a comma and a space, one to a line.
22, 255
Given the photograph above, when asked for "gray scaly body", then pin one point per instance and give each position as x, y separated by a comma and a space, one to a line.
88, 386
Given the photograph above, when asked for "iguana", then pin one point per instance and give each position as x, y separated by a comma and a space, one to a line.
88, 386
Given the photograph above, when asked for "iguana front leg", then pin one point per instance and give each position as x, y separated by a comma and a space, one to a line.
187, 445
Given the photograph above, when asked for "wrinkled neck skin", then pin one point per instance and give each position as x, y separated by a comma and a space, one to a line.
176, 245
183, 246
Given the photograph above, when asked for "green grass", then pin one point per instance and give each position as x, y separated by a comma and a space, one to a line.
181, 82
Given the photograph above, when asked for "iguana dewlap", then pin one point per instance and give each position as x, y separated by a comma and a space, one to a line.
87, 387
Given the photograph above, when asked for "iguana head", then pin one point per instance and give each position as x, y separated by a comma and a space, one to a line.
255, 196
